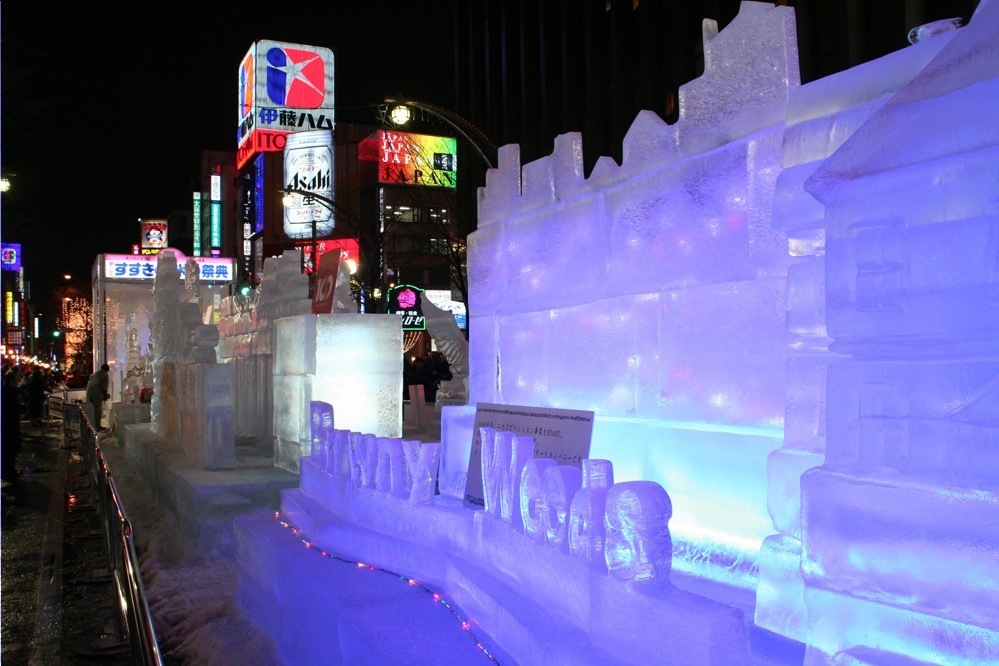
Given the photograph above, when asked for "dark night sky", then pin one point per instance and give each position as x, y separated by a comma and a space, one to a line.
105, 112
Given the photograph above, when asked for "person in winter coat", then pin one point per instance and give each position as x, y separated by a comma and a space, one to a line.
37, 389
97, 393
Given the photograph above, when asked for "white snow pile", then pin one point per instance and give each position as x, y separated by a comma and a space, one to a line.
191, 599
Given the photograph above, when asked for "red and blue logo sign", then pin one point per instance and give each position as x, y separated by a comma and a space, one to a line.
246, 83
295, 78
10, 256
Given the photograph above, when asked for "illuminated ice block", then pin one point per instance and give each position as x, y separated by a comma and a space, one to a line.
920, 553
359, 371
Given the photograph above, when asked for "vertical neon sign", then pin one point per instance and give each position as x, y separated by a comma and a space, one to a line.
216, 214
196, 223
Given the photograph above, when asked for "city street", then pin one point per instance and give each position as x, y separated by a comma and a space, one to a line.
57, 594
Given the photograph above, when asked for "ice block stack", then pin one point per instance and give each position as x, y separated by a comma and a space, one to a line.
821, 117
351, 361
899, 527
653, 293
246, 341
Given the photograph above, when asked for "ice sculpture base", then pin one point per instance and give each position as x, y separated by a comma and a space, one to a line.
202, 503
319, 610
537, 604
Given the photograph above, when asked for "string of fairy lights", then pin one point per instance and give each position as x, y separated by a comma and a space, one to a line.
437, 597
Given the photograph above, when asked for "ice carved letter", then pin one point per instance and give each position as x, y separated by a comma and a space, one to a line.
390, 473
503, 458
338, 460
639, 547
363, 456
423, 460
322, 429
586, 513
561, 482
532, 497
489, 449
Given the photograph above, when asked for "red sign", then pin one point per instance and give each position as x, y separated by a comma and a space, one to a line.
322, 295
347, 248
260, 141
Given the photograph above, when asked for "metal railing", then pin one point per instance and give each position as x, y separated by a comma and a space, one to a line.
134, 623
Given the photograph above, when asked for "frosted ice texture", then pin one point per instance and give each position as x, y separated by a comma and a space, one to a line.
322, 433
748, 70
815, 268
350, 361
587, 534
933, 29
422, 463
204, 431
165, 335
532, 498
638, 543
246, 345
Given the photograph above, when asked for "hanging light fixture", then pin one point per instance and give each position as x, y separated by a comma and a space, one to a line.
400, 114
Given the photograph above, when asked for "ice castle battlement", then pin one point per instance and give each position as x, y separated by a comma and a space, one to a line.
750, 69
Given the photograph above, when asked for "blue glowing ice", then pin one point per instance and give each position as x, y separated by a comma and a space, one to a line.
783, 312
786, 317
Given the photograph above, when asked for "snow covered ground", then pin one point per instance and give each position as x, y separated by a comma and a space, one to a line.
191, 598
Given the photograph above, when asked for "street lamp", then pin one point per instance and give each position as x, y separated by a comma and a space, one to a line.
400, 113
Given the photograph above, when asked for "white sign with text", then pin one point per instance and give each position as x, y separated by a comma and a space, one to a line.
562, 435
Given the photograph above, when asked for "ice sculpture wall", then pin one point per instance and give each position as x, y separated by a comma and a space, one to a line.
790, 278
351, 361
247, 342
283, 357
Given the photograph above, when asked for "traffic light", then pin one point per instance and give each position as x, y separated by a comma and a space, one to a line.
243, 285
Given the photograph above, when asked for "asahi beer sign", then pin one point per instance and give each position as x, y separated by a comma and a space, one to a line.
308, 171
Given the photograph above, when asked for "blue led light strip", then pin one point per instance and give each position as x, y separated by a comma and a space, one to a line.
438, 598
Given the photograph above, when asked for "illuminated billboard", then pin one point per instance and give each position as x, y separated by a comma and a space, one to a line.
10, 256
348, 248
406, 301
282, 89
196, 223
143, 267
153, 235
308, 183
417, 159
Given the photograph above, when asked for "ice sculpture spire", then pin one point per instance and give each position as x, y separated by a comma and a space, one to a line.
166, 336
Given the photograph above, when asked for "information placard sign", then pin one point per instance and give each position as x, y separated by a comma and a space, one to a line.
563, 435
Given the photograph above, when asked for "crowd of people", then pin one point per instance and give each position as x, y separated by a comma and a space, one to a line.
25, 390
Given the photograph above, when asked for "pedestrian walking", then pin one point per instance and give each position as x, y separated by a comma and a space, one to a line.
37, 390
97, 393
